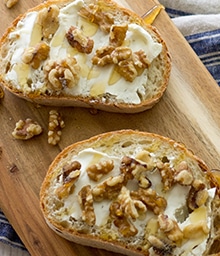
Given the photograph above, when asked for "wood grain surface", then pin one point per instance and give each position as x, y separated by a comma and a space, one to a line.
189, 112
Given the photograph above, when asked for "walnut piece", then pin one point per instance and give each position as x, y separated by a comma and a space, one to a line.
109, 188
96, 171
48, 20
10, 3
70, 174
56, 124
62, 73
151, 199
197, 196
34, 55
170, 228
103, 56
123, 209
129, 65
117, 34
1, 93
78, 40
96, 14
86, 203
161, 247
26, 129
167, 175
131, 168
183, 174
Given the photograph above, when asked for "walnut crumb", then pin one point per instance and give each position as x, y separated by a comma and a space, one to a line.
56, 124
1, 93
10, 3
26, 129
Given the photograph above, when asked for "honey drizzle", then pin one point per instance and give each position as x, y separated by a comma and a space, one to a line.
151, 15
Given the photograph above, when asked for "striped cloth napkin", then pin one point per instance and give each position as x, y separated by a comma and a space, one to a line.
199, 22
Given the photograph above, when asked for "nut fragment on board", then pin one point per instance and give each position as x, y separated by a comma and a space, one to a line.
26, 129
56, 124
1, 93
10, 3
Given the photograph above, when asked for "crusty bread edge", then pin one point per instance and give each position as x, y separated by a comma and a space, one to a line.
89, 102
89, 240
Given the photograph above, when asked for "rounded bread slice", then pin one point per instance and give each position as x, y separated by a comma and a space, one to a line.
134, 193
85, 53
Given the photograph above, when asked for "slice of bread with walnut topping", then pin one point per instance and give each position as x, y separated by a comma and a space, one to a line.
134, 193
86, 53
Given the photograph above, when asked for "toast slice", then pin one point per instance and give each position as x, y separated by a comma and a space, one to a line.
85, 53
134, 193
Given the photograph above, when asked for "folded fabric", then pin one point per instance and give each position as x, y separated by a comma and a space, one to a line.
8, 234
198, 21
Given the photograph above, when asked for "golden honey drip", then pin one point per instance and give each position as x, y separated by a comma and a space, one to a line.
151, 15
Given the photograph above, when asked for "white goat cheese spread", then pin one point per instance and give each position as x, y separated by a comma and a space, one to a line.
176, 199
94, 80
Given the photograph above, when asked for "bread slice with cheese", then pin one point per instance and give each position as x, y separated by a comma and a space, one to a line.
85, 53
134, 193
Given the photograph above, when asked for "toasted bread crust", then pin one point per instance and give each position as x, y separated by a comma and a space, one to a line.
163, 60
118, 143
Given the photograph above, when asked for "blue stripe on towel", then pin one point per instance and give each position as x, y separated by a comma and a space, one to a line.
207, 46
176, 13
8, 234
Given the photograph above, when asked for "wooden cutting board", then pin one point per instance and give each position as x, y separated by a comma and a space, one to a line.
189, 112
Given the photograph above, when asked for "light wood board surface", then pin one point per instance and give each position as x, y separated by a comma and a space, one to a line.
189, 112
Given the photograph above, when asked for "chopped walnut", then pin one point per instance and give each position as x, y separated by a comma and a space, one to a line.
62, 73
131, 168
10, 3
170, 228
167, 175
78, 40
56, 124
123, 209
183, 174
34, 55
70, 174
96, 171
145, 157
86, 203
198, 195
27, 129
108, 189
161, 247
95, 14
144, 182
140, 60
151, 199
48, 20
131, 208
195, 230
118, 34
127, 70
120, 54
103, 56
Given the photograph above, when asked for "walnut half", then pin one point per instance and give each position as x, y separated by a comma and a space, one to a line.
10, 3
56, 124
35, 54
78, 40
26, 129
62, 74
